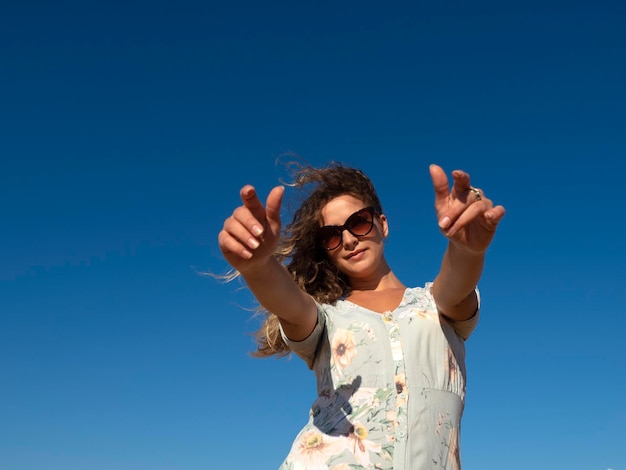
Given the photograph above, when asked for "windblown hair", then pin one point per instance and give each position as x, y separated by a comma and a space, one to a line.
299, 250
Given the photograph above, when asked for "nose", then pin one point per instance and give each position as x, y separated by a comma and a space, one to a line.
349, 240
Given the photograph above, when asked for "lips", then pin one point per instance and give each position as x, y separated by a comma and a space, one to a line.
355, 253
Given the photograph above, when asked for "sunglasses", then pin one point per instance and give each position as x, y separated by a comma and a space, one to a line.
358, 224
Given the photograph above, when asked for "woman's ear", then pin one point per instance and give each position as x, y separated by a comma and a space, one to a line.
384, 225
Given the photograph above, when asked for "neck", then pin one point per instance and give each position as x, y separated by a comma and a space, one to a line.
388, 281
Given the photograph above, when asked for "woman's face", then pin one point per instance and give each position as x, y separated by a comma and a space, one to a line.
356, 255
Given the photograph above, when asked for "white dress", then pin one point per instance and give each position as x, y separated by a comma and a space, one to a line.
391, 388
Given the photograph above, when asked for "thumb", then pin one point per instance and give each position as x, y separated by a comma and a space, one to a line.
440, 184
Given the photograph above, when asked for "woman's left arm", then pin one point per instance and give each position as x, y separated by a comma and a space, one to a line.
468, 219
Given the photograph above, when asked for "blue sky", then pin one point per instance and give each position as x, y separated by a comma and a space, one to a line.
127, 129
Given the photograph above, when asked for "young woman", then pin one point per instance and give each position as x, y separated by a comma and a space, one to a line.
389, 360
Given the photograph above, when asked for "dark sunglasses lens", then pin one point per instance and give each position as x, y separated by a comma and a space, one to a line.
360, 223
330, 237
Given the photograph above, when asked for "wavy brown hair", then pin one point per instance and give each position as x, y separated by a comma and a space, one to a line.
298, 248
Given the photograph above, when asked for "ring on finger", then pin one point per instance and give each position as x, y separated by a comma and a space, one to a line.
476, 193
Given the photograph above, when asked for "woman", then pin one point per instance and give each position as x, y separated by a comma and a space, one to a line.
389, 360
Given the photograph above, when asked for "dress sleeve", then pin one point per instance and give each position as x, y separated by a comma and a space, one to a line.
462, 328
465, 328
307, 348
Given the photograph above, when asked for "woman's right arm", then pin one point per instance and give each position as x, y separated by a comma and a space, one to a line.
248, 241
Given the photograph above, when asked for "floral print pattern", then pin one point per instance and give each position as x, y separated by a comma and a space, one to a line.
343, 348
382, 378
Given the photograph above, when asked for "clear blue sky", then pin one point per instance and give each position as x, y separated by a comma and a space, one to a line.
127, 129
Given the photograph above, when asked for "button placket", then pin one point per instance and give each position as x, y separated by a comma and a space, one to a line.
398, 357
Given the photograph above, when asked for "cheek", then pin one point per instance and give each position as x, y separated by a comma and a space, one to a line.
333, 256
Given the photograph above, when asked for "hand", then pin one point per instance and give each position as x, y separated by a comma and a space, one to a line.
467, 220
250, 235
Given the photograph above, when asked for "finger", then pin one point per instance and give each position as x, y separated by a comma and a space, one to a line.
462, 195
440, 185
229, 243
251, 201
475, 194
461, 183
242, 228
490, 216
494, 216
473, 211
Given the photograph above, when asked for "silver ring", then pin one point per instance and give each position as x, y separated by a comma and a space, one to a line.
476, 193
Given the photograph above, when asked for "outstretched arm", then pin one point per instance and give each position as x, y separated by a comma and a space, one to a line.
469, 221
248, 241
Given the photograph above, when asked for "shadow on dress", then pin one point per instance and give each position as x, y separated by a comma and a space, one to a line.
331, 409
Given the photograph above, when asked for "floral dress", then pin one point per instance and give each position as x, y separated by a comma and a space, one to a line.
391, 387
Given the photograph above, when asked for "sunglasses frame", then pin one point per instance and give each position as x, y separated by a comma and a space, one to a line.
346, 226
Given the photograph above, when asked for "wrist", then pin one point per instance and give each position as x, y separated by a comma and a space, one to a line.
462, 250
